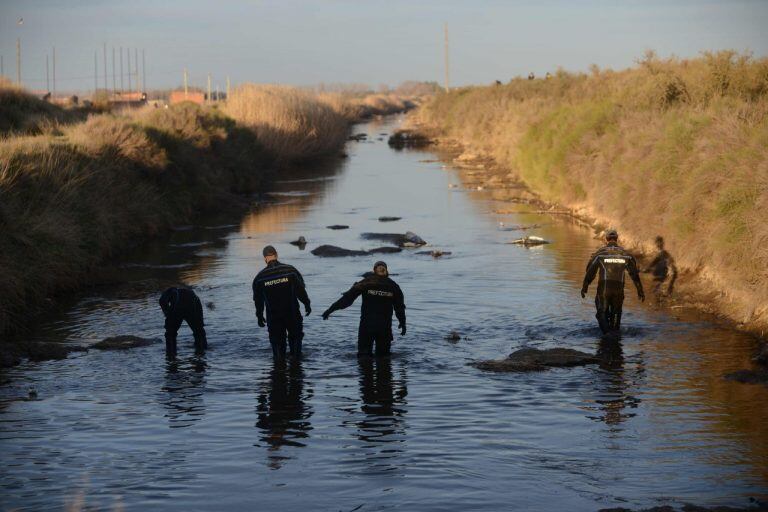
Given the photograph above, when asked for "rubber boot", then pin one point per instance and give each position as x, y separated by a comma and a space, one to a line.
201, 342
170, 345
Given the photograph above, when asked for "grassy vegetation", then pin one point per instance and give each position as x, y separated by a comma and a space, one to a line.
73, 194
671, 147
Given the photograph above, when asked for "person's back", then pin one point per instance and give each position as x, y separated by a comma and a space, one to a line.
381, 298
179, 305
278, 288
610, 263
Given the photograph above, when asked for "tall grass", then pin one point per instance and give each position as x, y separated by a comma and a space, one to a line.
671, 147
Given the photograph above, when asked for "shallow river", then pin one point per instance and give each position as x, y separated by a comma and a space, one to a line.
420, 431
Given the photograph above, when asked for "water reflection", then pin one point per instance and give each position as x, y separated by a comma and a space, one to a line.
183, 391
282, 411
614, 400
383, 401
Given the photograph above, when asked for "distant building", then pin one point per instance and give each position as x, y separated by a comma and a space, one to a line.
180, 96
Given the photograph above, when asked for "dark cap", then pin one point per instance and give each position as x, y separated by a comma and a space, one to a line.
611, 234
269, 251
379, 264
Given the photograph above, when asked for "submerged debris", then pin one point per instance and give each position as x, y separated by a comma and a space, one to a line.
517, 227
389, 219
529, 241
358, 137
534, 360
300, 243
210, 305
408, 139
453, 336
409, 239
338, 226
436, 253
124, 342
332, 251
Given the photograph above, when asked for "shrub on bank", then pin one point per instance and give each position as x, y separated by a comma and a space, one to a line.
672, 147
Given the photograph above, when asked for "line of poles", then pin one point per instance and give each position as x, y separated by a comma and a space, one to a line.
136, 72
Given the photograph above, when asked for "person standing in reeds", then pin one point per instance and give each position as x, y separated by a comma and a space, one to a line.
662, 266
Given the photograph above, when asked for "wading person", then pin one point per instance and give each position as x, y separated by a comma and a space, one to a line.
610, 262
381, 297
662, 266
179, 305
278, 288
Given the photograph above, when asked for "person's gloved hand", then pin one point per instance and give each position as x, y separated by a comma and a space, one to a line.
307, 310
641, 296
261, 321
402, 329
326, 314
583, 293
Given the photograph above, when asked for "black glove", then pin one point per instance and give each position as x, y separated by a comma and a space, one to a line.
261, 321
583, 293
641, 296
307, 310
326, 314
402, 329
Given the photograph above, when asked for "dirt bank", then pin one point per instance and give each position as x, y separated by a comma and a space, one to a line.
671, 148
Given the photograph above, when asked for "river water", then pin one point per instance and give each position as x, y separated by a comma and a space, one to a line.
421, 430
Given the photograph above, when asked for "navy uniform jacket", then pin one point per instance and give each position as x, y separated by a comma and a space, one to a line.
279, 287
381, 297
610, 262
180, 301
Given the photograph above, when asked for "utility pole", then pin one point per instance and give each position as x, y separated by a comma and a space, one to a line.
121, 70
106, 87
128, 58
47, 76
18, 62
209, 88
136, 67
114, 77
227, 87
54, 71
447, 69
143, 71
185, 83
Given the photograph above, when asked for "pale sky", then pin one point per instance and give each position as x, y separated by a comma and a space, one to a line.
364, 41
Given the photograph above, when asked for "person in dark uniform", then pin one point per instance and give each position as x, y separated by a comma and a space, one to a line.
179, 305
662, 266
610, 262
279, 288
381, 296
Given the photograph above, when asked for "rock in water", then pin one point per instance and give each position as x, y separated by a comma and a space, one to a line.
389, 219
532, 360
749, 376
409, 239
338, 226
300, 243
331, 251
124, 342
453, 336
385, 250
408, 139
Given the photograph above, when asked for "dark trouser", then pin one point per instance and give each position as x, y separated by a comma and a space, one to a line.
278, 328
608, 302
367, 336
194, 318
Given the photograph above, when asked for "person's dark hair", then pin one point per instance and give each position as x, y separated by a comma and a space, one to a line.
269, 251
611, 234
660, 240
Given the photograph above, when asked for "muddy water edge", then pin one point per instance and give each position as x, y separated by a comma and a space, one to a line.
654, 424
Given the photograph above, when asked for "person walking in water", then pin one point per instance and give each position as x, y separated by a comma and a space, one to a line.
381, 297
662, 266
279, 288
179, 305
611, 261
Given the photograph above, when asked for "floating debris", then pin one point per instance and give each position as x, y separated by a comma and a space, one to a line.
332, 251
436, 253
529, 241
534, 360
389, 219
453, 336
409, 239
338, 226
124, 342
301, 243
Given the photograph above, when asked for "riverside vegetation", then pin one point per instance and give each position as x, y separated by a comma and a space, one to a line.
671, 147
77, 189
